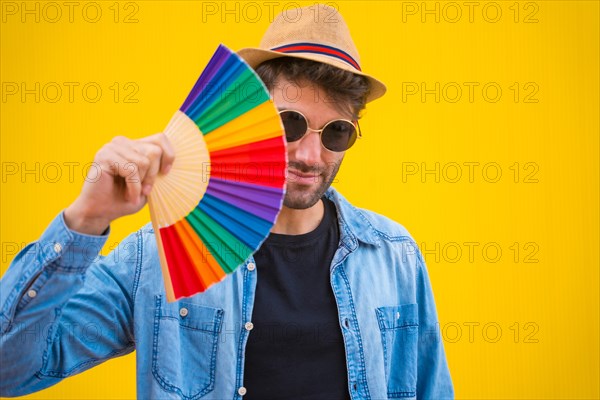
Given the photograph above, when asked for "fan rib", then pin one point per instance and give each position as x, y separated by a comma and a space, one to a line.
246, 227
180, 267
161, 255
261, 201
215, 88
174, 195
211, 262
230, 251
260, 163
213, 67
194, 249
255, 125
234, 102
270, 149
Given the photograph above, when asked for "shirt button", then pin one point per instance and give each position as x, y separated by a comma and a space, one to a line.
248, 326
183, 311
251, 266
31, 293
57, 247
242, 391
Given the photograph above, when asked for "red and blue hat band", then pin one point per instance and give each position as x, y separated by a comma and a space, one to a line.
315, 48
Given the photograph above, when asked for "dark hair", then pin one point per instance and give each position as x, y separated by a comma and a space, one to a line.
349, 91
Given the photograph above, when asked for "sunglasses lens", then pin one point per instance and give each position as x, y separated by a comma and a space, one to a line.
295, 125
339, 136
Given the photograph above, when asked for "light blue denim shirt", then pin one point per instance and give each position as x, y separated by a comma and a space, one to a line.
65, 309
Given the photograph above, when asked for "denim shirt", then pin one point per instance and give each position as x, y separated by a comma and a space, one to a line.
64, 309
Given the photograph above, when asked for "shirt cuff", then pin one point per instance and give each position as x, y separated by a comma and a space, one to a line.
67, 248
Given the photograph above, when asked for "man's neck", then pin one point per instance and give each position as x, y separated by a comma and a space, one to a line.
297, 222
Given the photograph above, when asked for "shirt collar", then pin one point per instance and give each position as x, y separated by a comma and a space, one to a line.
354, 224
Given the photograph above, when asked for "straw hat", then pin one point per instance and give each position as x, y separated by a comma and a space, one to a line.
317, 33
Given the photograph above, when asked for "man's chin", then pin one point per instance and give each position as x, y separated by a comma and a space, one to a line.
301, 201
302, 196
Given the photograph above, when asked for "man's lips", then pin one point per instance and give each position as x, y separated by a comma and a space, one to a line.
302, 178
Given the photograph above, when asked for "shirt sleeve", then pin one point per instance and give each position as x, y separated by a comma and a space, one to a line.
433, 376
64, 308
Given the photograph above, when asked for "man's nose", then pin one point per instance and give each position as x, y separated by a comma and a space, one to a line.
309, 148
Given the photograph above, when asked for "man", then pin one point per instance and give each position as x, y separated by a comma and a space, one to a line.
335, 304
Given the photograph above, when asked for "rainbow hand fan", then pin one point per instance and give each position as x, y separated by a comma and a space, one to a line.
225, 189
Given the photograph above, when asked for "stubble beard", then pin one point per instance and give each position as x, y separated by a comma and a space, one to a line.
300, 198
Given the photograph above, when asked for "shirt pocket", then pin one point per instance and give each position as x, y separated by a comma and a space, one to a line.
186, 338
399, 327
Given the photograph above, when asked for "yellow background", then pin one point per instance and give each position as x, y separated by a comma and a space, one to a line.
544, 299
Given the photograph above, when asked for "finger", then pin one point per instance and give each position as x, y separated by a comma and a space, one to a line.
153, 153
136, 163
123, 172
130, 173
168, 152
126, 163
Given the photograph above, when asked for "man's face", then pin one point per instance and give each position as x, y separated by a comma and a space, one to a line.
311, 167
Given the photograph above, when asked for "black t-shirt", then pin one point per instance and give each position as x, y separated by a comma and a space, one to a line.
295, 349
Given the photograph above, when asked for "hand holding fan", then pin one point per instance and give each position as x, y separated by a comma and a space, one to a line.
226, 186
